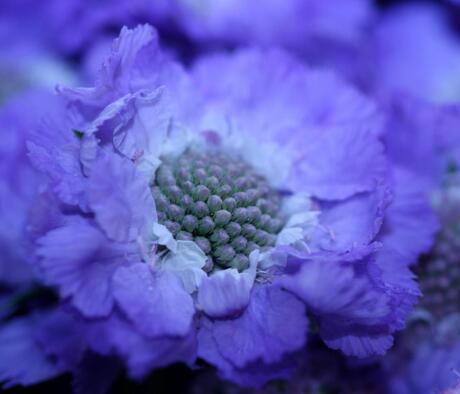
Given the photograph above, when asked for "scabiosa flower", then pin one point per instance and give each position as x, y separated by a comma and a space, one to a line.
213, 214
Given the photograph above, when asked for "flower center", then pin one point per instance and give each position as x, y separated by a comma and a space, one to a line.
220, 203
440, 275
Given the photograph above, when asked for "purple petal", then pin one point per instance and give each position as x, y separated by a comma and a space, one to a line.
155, 302
273, 324
333, 145
225, 293
55, 150
351, 223
356, 345
120, 198
410, 222
330, 287
80, 261
255, 374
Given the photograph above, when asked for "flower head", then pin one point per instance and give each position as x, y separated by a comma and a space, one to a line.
214, 213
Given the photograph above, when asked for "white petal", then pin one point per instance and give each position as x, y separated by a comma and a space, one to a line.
164, 237
289, 236
226, 292
186, 262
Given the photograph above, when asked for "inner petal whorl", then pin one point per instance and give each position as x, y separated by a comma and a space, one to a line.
219, 202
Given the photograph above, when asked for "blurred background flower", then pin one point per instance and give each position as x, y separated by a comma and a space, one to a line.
386, 71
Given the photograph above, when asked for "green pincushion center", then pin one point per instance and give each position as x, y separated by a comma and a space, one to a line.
219, 202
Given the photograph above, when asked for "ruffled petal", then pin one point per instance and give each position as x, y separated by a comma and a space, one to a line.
354, 222
326, 131
356, 345
186, 261
273, 324
348, 295
120, 198
155, 302
255, 374
80, 261
135, 63
357, 313
54, 149
226, 293
410, 222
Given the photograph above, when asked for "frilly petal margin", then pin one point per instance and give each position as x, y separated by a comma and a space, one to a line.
80, 261
255, 374
54, 149
351, 223
120, 199
354, 314
135, 63
273, 325
410, 223
226, 293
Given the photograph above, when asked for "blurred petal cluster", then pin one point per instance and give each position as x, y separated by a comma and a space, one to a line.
263, 192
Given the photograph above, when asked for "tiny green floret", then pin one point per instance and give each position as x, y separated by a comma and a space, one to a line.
219, 202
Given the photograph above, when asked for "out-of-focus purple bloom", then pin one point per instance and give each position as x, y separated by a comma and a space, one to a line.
430, 351
202, 214
331, 34
19, 183
292, 23
70, 28
26, 61
417, 51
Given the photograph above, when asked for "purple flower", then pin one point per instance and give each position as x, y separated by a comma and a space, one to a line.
206, 213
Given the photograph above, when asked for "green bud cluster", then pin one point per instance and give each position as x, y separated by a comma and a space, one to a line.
219, 202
